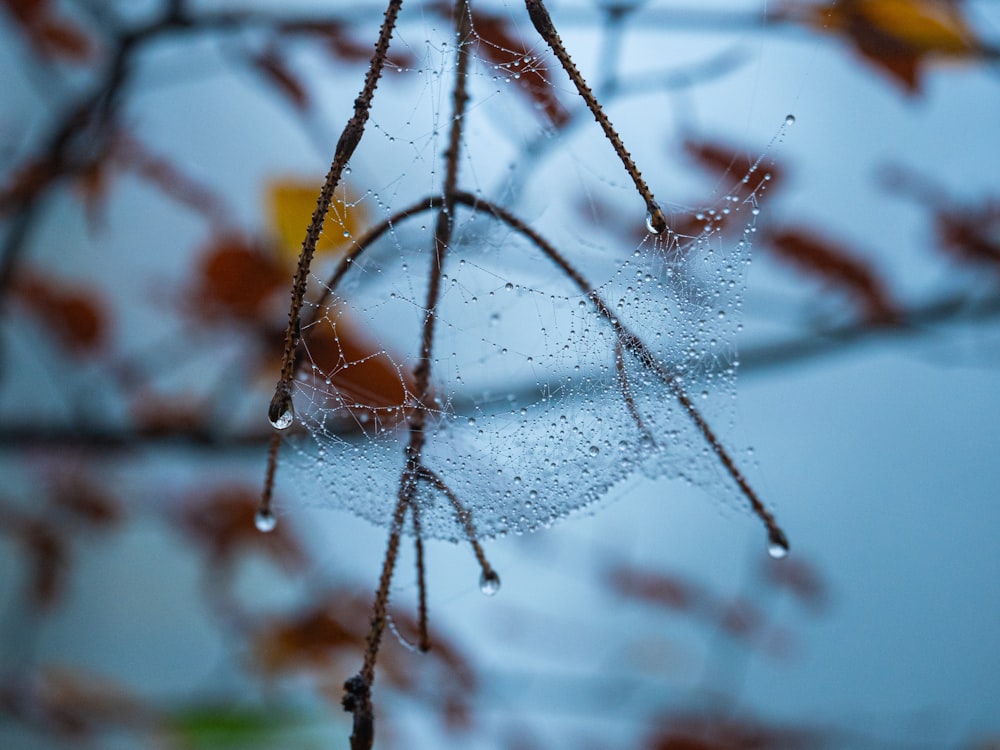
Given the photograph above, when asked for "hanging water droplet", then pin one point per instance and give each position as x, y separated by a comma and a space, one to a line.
508, 286
489, 582
265, 520
790, 120
777, 544
594, 450
281, 413
656, 222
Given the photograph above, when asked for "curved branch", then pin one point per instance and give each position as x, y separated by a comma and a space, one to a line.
635, 345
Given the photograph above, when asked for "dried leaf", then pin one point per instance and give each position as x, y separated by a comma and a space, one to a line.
156, 414
971, 234
276, 71
801, 579
699, 732
340, 45
27, 182
311, 639
838, 267
662, 590
730, 162
131, 154
78, 495
741, 619
221, 521
73, 315
50, 36
71, 704
237, 280
48, 556
900, 37
361, 373
502, 45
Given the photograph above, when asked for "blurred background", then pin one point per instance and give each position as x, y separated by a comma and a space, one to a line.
160, 163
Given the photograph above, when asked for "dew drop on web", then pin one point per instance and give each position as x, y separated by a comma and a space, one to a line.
531, 414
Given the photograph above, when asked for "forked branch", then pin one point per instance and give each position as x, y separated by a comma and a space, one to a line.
358, 690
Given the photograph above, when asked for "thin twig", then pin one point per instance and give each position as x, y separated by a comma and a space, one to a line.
626, 388
364, 724
349, 140
463, 515
543, 24
424, 642
635, 345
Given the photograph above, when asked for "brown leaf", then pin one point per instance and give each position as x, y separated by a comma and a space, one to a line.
735, 164
698, 732
341, 46
662, 590
899, 37
501, 45
131, 154
801, 579
77, 494
47, 553
236, 280
73, 315
50, 36
741, 619
971, 234
221, 521
276, 71
362, 374
27, 182
836, 266
311, 639
70, 703
156, 414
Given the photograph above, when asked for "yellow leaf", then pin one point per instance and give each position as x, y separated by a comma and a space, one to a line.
925, 25
921, 26
900, 36
291, 202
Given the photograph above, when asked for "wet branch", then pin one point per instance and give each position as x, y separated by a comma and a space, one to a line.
777, 541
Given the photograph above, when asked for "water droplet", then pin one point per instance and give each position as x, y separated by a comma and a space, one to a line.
489, 582
265, 520
508, 286
777, 544
280, 412
790, 120
594, 450
656, 222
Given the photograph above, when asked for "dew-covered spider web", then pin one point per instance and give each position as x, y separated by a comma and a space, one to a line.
571, 346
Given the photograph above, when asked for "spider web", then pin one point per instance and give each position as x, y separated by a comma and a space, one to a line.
538, 407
